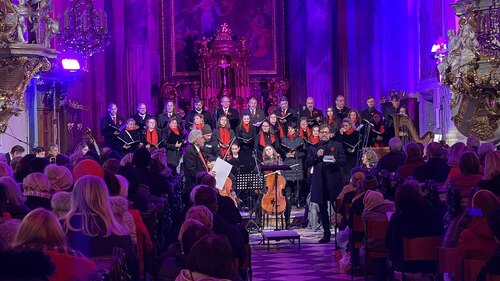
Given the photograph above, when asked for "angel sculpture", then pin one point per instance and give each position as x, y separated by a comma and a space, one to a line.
22, 12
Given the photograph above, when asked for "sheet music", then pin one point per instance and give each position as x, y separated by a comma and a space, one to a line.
222, 170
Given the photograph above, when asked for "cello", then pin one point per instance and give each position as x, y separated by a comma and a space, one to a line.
273, 202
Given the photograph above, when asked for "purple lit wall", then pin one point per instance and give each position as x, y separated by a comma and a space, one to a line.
356, 48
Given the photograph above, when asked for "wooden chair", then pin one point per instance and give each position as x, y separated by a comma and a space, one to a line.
471, 268
375, 230
114, 266
338, 202
357, 227
448, 260
419, 249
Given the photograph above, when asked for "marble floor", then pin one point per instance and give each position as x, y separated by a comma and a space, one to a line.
284, 261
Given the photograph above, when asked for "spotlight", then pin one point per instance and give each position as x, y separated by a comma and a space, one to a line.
70, 64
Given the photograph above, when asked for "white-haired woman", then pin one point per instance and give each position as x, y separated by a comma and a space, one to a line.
91, 226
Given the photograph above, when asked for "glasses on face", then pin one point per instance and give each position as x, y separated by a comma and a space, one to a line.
324, 132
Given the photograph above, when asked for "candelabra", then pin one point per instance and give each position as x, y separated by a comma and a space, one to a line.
85, 29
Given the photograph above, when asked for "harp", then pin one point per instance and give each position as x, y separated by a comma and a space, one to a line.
403, 120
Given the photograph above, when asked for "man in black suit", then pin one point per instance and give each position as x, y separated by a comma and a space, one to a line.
367, 114
110, 125
197, 109
141, 116
194, 161
388, 119
327, 175
15, 151
231, 113
256, 114
340, 109
284, 113
313, 114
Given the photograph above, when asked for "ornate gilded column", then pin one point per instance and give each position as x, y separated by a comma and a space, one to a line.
471, 69
20, 61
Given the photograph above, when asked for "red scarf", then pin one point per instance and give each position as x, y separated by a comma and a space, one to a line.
152, 136
246, 127
199, 126
292, 136
262, 140
350, 131
308, 133
224, 138
329, 121
175, 131
314, 140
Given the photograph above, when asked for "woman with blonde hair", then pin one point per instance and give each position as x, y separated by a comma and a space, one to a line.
91, 226
491, 179
37, 191
41, 230
15, 200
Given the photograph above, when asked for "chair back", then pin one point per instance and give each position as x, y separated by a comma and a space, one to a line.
347, 210
421, 248
471, 268
357, 224
376, 230
448, 259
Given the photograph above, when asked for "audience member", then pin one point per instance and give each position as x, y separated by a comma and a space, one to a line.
436, 168
492, 266
60, 177
469, 173
456, 151
61, 203
8, 226
491, 179
91, 226
414, 160
413, 218
484, 149
209, 258
15, 199
394, 159
36, 189
41, 231
6, 170
87, 167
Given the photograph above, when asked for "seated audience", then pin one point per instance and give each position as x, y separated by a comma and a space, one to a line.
491, 179
15, 205
394, 159
91, 226
484, 149
436, 168
210, 259
456, 150
37, 191
413, 218
207, 197
60, 177
469, 173
87, 167
6, 170
414, 160
61, 203
376, 208
8, 226
41, 231
492, 266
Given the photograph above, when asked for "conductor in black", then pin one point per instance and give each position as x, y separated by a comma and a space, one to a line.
326, 159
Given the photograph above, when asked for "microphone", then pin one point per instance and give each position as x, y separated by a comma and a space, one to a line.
368, 122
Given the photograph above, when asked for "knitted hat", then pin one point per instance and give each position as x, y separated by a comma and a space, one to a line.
372, 199
205, 130
193, 135
370, 182
358, 176
60, 177
36, 184
87, 167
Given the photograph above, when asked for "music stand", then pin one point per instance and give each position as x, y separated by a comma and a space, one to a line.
275, 169
249, 183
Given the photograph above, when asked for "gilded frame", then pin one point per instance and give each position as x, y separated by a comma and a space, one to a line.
170, 66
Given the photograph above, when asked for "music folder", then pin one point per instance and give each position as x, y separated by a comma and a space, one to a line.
288, 149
